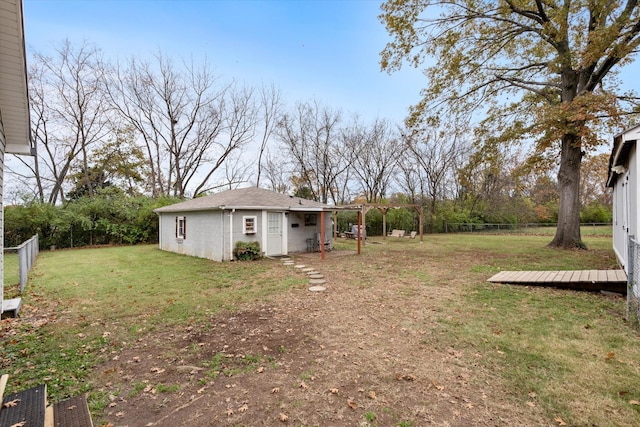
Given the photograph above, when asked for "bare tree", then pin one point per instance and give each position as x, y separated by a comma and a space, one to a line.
277, 171
435, 151
374, 151
310, 135
189, 124
271, 109
68, 115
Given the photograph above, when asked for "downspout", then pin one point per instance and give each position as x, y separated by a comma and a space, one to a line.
231, 234
222, 235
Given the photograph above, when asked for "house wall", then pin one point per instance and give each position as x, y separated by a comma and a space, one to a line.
2, 148
625, 208
297, 238
208, 232
203, 234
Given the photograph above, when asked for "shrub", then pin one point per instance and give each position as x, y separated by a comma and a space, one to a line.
247, 251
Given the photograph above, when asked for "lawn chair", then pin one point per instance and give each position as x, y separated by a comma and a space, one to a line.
327, 242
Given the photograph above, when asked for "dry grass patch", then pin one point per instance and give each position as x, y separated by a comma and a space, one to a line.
407, 334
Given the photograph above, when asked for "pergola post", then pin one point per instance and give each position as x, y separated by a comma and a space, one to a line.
358, 236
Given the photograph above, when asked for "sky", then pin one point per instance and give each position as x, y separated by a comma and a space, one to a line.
326, 50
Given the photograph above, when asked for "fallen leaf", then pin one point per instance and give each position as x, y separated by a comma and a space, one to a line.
243, 408
71, 408
303, 385
200, 391
20, 424
560, 421
352, 404
532, 394
634, 402
157, 370
11, 403
532, 404
229, 412
437, 386
260, 369
113, 405
120, 414
283, 417
610, 355
372, 395
275, 390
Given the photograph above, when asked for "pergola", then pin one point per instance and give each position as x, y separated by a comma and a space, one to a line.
364, 208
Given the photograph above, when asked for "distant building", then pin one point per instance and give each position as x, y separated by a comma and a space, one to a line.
209, 227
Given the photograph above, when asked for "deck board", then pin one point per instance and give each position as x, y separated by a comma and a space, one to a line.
610, 280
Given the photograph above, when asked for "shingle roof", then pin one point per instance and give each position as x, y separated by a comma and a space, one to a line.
246, 198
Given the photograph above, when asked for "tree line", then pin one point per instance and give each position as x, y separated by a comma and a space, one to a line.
113, 140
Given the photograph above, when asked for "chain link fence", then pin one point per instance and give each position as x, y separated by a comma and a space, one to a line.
633, 282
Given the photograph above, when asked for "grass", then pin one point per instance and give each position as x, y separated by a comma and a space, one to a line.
568, 353
129, 291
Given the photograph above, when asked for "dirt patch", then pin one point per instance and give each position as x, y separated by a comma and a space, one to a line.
368, 351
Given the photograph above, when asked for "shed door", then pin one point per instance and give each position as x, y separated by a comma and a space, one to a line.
274, 233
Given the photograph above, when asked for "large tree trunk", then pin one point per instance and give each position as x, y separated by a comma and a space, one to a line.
568, 231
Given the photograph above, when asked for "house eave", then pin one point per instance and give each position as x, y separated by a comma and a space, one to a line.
620, 153
14, 95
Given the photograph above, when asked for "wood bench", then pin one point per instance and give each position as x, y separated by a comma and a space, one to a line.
30, 408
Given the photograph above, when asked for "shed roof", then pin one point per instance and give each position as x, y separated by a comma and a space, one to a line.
14, 97
247, 198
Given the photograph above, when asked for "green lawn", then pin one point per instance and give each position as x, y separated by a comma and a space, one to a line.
572, 352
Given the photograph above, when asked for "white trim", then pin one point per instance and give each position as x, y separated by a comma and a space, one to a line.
181, 221
245, 230
265, 232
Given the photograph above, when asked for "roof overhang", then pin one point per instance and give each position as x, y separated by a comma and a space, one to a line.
622, 145
14, 95
258, 208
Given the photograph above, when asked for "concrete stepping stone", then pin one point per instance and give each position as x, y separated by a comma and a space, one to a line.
300, 266
317, 282
309, 273
307, 269
317, 288
316, 276
289, 263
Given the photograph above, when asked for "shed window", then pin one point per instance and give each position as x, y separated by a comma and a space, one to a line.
181, 227
310, 219
249, 224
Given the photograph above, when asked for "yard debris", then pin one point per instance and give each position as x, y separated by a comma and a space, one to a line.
560, 422
12, 403
352, 404
283, 417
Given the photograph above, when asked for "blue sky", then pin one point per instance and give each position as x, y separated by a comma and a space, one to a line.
323, 49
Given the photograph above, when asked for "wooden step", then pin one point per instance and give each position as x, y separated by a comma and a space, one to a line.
26, 407
11, 307
73, 412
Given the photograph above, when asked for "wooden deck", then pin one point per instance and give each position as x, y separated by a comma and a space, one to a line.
592, 280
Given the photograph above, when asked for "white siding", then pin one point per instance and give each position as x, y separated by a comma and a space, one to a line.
297, 238
203, 234
214, 234
2, 145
